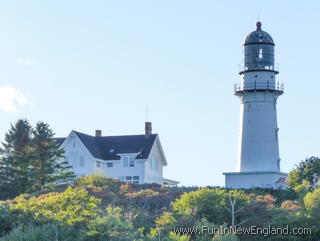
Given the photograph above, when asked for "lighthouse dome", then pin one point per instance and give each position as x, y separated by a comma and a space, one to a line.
258, 37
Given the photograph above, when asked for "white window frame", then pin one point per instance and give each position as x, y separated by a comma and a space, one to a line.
130, 179
132, 161
129, 161
125, 161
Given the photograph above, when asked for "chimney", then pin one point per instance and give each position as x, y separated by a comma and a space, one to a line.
148, 128
98, 133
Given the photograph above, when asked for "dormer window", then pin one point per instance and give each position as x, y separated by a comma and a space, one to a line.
128, 161
131, 161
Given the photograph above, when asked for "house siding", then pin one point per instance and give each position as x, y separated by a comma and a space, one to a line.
154, 175
74, 150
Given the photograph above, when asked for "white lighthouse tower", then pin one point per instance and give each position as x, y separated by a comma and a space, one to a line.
258, 163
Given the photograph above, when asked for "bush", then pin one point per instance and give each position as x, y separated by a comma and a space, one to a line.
97, 180
6, 219
45, 233
112, 227
72, 207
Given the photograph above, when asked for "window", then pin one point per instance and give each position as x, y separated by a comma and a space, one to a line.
131, 161
98, 164
135, 179
129, 178
109, 164
81, 161
125, 161
73, 144
154, 163
260, 54
128, 161
121, 178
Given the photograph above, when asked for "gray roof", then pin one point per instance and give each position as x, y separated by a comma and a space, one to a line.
258, 37
108, 147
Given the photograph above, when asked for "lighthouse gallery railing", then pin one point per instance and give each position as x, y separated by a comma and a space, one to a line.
274, 86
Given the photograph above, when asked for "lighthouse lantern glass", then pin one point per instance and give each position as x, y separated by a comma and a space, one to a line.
259, 57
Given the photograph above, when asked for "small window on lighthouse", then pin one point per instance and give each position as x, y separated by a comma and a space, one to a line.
260, 54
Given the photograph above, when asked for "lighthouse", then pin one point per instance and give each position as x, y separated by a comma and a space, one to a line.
258, 161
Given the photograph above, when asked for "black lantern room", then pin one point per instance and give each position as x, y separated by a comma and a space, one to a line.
258, 51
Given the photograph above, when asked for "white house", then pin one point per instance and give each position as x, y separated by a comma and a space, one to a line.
136, 159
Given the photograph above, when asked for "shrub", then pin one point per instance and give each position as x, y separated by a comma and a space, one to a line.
45, 233
72, 207
98, 180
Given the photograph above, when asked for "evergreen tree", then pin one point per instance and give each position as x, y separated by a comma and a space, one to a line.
15, 160
47, 171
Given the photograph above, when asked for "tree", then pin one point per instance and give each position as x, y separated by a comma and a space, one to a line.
308, 171
45, 153
237, 201
15, 160
112, 226
205, 202
74, 207
312, 204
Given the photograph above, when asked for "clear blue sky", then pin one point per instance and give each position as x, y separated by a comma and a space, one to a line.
87, 65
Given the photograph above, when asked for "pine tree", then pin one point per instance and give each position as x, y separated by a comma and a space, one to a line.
47, 170
15, 160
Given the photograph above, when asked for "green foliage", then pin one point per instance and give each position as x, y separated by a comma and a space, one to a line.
46, 170
308, 171
226, 237
28, 160
164, 225
44, 233
112, 226
15, 160
98, 180
206, 226
99, 208
6, 219
205, 202
216, 205
312, 203
73, 207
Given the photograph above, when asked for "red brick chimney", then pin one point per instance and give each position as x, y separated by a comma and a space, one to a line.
98, 133
148, 128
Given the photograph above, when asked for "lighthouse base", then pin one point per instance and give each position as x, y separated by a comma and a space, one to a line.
262, 179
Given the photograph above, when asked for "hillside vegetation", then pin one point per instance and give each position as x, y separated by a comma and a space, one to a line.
38, 205
99, 208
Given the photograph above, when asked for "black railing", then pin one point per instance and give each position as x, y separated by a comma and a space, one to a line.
255, 67
277, 86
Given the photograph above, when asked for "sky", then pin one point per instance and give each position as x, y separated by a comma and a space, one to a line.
86, 65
